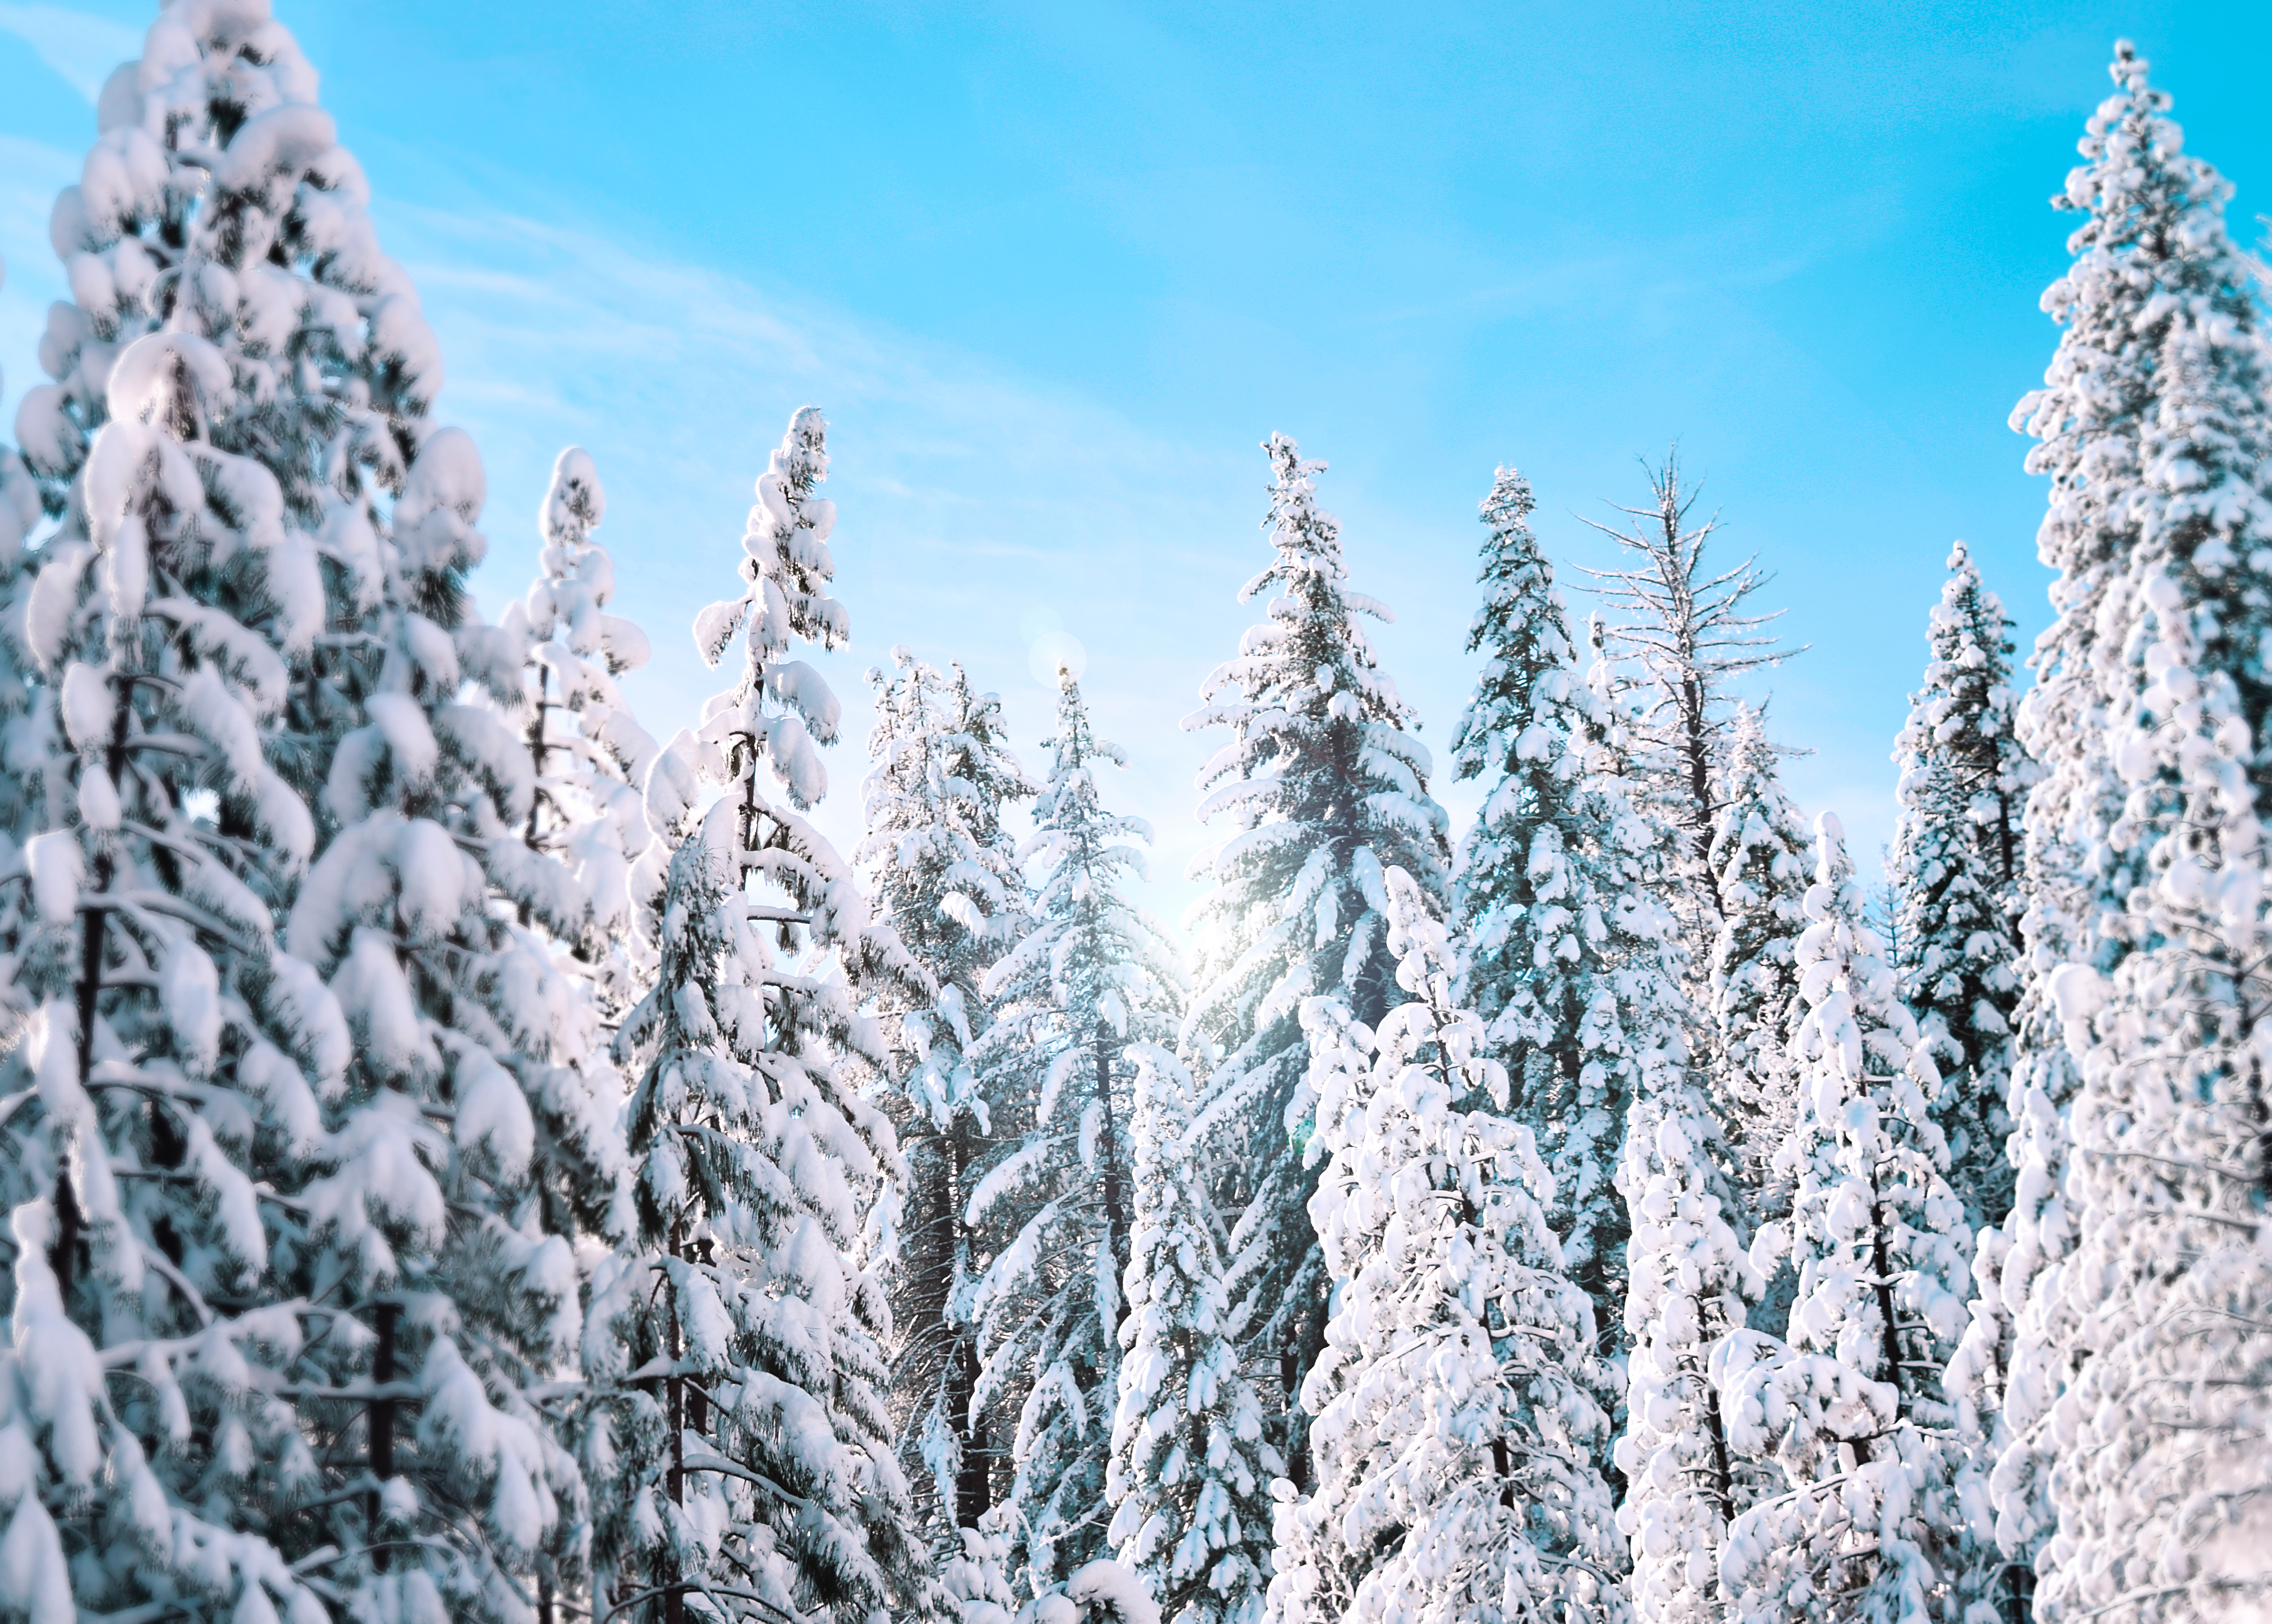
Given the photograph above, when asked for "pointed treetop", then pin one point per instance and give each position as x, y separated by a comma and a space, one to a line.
1524, 628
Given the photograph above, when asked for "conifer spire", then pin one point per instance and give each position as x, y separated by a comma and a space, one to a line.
2146, 859
1956, 877
1325, 789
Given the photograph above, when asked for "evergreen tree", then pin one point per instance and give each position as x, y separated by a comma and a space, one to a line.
944, 875
1690, 1280
165, 1084
1955, 874
1191, 1469
1456, 1419
455, 1244
1850, 1404
230, 304
1092, 975
1569, 953
1324, 789
1761, 854
589, 755
2149, 718
746, 1452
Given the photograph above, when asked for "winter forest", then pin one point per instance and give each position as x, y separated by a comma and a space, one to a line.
471, 1153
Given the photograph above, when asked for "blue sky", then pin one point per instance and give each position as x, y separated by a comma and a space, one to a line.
1055, 271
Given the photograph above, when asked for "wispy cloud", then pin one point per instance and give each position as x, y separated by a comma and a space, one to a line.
970, 496
80, 47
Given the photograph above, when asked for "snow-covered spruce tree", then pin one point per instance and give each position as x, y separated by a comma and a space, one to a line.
943, 873
1850, 1404
1955, 874
1689, 1282
474, 1130
1323, 789
1457, 1421
589, 754
1191, 1471
1762, 856
1569, 950
2149, 719
1687, 632
217, 207
164, 1088
1051, 1214
746, 1465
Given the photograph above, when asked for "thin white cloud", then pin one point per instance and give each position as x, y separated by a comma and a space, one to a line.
970, 496
81, 48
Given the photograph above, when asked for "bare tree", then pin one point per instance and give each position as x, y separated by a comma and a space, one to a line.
1685, 634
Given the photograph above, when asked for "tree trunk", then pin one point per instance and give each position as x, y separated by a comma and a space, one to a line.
674, 1600
972, 1478
381, 1423
1890, 1336
1116, 1220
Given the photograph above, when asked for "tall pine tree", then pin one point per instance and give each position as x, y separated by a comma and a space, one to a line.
1094, 974
414, 1194
1571, 956
737, 1343
1457, 1422
944, 875
588, 752
1324, 790
2146, 863
1955, 877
